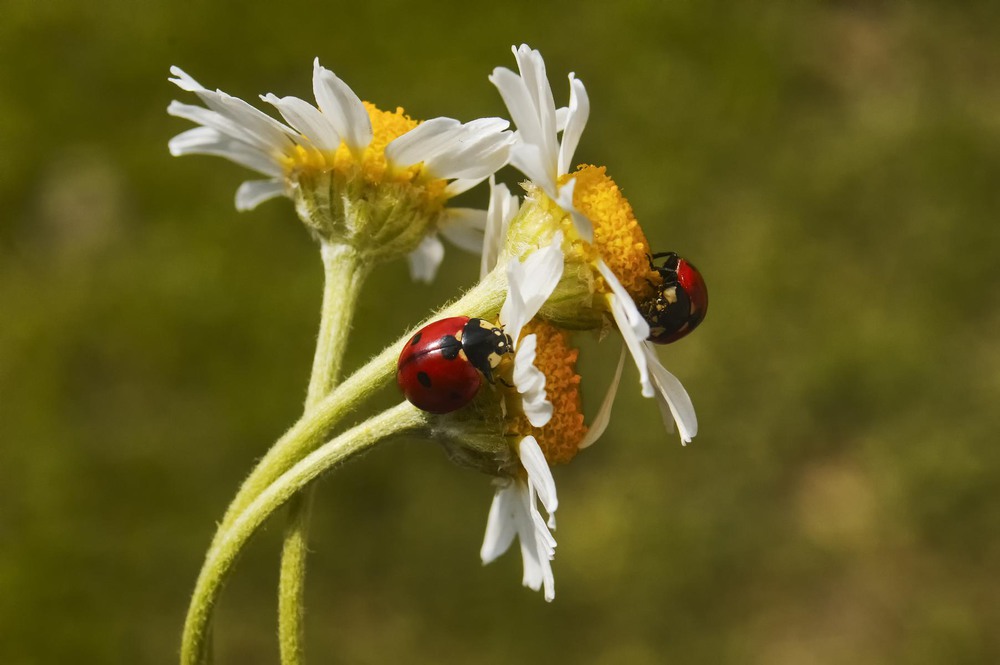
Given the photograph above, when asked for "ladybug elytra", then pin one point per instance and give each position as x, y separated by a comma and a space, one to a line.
442, 366
680, 302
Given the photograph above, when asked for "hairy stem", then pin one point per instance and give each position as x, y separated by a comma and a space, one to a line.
231, 540
483, 300
344, 273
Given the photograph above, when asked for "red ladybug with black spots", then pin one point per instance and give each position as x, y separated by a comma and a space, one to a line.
443, 365
680, 302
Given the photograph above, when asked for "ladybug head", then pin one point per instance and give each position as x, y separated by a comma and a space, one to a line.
485, 345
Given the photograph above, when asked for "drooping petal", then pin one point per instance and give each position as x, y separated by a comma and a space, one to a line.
633, 327
425, 259
501, 526
532, 561
344, 109
539, 475
514, 511
464, 227
675, 404
603, 416
545, 544
254, 192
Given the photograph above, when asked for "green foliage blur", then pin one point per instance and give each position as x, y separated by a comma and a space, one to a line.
833, 168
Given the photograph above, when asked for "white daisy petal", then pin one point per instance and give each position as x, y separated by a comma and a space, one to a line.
501, 526
184, 81
562, 117
223, 124
539, 474
252, 120
564, 199
208, 141
530, 383
425, 259
530, 284
675, 404
472, 159
603, 417
519, 103
528, 159
503, 206
531, 559
459, 185
579, 111
307, 120
464, 228
513, 511
254, 192
422, 142
343, 108
633, 327
532, 68
542, 271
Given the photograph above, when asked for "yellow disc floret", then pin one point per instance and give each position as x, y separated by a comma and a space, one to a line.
560, 438
360, 198
618, 238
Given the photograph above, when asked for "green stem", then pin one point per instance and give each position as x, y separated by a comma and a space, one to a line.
483, 300
344, 272
231, 540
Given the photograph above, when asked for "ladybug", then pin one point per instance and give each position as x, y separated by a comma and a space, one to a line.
443, 365
680, 301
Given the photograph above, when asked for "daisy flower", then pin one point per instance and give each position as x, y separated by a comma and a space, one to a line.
607, 254
542, 419
358, 175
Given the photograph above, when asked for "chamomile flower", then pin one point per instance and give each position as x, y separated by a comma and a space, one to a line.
542, 419
606, 253
376, 180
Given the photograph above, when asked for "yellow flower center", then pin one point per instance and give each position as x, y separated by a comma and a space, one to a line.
560, 438
618, 238
370, 166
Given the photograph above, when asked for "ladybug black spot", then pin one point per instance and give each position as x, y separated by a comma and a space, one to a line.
416, 339
450, 347
424, 379
456, 397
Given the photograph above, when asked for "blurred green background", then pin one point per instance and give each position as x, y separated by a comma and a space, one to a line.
832, 167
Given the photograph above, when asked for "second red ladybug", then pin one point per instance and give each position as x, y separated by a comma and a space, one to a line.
442, 366
680, 301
